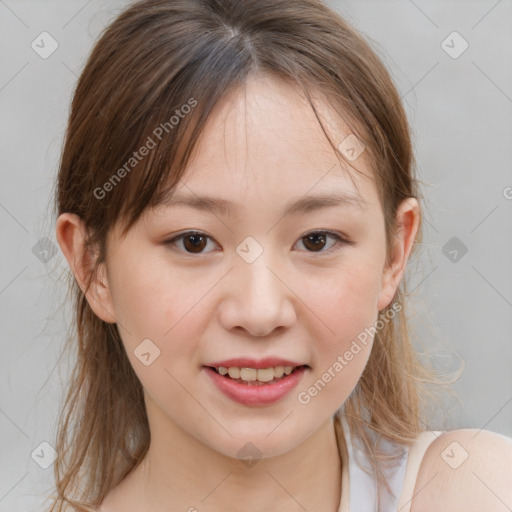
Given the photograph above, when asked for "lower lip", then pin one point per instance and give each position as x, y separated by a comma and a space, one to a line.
248, 394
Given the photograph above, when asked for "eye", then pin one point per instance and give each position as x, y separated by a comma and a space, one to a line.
194, 241
316, 240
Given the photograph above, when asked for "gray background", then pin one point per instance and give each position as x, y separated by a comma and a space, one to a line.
460, 110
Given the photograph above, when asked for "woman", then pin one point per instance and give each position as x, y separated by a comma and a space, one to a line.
237, 204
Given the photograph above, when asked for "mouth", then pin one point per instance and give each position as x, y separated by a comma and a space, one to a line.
256, 386
256, 376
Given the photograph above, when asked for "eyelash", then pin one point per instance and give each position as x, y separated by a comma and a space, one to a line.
341, 241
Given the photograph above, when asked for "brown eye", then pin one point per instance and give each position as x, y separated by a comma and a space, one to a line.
193, 243
316, 241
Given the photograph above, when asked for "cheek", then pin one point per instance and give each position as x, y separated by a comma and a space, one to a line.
347, 306
162, 318
347, 300
149, 303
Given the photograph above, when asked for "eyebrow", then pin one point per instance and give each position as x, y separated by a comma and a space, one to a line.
305, 204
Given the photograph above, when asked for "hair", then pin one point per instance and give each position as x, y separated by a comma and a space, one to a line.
162, 66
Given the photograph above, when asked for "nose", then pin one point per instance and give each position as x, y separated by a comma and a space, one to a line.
257, 298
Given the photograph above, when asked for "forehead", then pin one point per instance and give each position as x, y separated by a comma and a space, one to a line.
263, 149
264, 140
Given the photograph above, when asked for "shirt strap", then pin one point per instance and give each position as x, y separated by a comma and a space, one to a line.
416, 453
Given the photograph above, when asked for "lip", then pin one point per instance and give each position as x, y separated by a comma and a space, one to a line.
256, 395
246, 362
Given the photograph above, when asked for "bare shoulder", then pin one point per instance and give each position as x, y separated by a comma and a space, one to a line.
465, 470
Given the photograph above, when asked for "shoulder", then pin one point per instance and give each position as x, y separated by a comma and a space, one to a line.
466, 470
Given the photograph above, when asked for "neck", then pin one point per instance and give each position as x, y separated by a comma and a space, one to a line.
179, 471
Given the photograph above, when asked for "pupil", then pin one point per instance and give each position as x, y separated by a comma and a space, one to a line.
195, 245
311, 237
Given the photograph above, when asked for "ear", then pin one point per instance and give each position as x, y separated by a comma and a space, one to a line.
70, 233
407, 219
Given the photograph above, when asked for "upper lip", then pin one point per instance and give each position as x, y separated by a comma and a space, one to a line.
246, 362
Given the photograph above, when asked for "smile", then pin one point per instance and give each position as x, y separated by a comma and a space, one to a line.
248, 386
256, 375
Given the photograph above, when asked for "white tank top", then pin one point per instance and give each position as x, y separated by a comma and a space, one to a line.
359, 489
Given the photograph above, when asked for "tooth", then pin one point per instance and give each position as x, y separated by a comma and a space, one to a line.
248, 373
279, 371
255, 374
265, 374
234, 372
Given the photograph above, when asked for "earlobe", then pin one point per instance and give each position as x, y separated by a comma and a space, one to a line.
407, 219
71, 234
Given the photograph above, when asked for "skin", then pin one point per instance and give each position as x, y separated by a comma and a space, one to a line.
262, 148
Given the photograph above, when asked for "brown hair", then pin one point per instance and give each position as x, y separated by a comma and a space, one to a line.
155, 58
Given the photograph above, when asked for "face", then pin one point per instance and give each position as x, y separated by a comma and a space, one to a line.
251, 281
